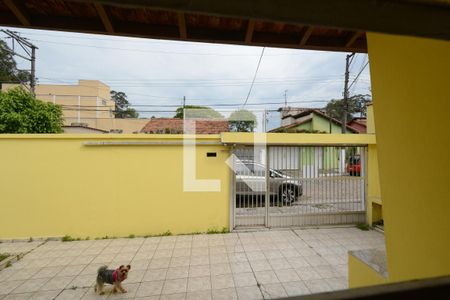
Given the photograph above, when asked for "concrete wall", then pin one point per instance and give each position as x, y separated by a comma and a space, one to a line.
52, 185
410, 78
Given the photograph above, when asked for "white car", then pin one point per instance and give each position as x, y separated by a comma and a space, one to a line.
250, 181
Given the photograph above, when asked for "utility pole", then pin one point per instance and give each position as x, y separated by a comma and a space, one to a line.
33, 70
285, 98
30, 51
348, 61
184, 101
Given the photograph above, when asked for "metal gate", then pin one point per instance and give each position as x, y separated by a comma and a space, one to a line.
283, 186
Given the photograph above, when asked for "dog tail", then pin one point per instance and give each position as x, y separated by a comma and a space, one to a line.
101, 270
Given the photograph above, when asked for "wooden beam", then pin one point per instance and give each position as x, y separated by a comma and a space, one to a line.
306, 36
249, 33
106, 20
19, 11
353, 38
407, 17
182, 26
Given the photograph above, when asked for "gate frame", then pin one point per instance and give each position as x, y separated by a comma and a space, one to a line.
364, 163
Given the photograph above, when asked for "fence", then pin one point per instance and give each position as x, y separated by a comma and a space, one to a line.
299, 185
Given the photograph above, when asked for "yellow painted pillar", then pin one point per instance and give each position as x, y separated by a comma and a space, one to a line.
411, 92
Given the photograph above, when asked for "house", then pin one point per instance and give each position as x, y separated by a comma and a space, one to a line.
309, 120
87, 102
360, 124
176, 126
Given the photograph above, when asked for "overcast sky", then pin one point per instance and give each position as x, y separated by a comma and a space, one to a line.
158, 72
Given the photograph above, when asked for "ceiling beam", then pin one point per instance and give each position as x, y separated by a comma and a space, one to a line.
106, 20
353, 38
249, 32
182, 25
19, 11
406, 17
306, 36
171, 32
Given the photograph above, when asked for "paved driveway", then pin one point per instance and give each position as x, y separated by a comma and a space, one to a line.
247, 265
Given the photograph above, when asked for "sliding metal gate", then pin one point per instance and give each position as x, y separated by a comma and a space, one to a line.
299, 186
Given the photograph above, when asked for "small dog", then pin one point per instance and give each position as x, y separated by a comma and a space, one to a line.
114, 277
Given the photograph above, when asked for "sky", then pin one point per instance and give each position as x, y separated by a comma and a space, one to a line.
159, 72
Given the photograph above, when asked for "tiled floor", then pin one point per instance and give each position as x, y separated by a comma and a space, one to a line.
248, 265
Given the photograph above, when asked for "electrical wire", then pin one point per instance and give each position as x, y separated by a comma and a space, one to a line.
357, 76
157, 52
254, 77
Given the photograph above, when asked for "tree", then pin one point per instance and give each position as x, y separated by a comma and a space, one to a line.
203, 112
8, 67
21, 112
242, 121
356, 105
123, 109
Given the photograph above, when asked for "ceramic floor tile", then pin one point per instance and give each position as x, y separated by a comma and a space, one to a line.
296, 288
244, 279
224, 294
151, 288
199, 284
174, 286
273, 291
249, 292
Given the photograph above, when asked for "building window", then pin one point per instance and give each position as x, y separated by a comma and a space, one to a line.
104, 102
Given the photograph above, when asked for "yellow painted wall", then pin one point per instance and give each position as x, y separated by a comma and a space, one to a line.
361, 274
52, 185
298, 138
410, 85
373, 202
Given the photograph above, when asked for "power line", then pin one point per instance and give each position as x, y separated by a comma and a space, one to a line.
357, 76
159, 52
207, 104
254, 77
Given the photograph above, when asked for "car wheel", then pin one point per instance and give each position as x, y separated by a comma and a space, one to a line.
288, 194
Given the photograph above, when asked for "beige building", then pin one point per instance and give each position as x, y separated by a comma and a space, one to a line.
88, 102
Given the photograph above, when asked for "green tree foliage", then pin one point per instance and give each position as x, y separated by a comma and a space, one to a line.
123, 109
356, 105
200, 112
8, 67
242, 121
21, 112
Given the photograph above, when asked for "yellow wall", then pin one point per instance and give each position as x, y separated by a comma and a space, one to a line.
52, 185
299, 138
410, 86
373, 202
361, 274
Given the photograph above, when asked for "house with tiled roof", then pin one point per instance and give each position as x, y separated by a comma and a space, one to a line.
310, 120
360, 124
